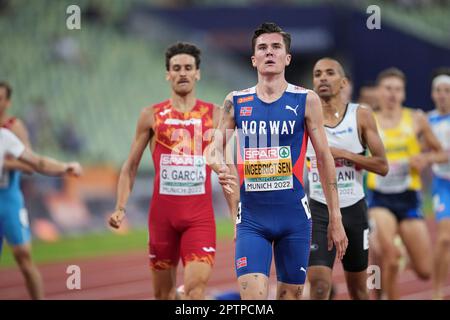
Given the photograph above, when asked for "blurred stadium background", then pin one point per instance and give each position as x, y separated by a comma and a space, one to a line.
80, 91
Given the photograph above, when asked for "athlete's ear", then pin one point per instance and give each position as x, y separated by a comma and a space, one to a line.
253, 61
167, 76
288, 59
344, 82
198, 75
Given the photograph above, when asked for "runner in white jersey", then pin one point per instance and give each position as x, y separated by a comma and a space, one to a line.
350, 129
11, 146
440, 123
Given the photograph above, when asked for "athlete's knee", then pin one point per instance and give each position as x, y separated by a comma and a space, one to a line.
443, 242
358, 291
195, 287
423, 270
320, 289
165, 293
23, 259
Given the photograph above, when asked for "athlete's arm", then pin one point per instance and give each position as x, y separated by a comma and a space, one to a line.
434, 152
231, 198
144, 132
215, 157
376, 162
50, 166
11, 163
327, 173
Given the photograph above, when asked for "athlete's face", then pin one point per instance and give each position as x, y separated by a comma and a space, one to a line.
328, 80
270, 56
391, 92
441, 97
182, 74
4, 101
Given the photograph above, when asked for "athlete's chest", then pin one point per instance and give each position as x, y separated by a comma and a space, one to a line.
283, 117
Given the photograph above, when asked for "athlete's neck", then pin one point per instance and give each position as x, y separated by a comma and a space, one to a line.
390, 112
183, 103
443, 111
270, 88
333, 108
3, 118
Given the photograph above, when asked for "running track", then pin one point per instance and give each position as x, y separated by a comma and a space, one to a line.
127, 276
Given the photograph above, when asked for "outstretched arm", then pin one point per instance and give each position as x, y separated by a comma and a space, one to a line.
215, 154
327, 173
49, 166
376, 162
144, 132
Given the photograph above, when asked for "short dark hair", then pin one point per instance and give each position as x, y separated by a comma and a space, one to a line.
180, 48
271, 27
7, 86
391, 72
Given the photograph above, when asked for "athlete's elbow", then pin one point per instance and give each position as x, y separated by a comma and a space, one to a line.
383, 168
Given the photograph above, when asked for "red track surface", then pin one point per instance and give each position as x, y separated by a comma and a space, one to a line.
127, 276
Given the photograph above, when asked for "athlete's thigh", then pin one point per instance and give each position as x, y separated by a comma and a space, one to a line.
16, 226
164, 245
319, 254
356, 226
253, 251
415, 236
198, 242
292, 254
441, 199
386, 226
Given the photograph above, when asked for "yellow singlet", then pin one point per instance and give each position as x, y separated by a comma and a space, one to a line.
401, 144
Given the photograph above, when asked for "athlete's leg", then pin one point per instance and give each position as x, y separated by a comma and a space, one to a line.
196, 276
441, 258
197, 248
386, 225
33, 280
416, 239
320, 278
253, 286
164, 281
357, 285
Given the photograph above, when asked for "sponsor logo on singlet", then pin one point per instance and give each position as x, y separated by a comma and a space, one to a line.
268, 169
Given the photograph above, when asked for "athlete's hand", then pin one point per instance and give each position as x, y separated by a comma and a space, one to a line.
226, 179
336, 235
116, 218
73, 169
419, 162
337, 153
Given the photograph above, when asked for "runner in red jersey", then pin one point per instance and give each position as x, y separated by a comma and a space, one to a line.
181, 219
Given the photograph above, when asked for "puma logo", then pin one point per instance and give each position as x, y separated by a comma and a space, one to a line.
288, 107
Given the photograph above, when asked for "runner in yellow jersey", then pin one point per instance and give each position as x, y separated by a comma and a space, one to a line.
395, 201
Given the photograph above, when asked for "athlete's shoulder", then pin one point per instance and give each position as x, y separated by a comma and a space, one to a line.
243, 92
296, 89
158, 107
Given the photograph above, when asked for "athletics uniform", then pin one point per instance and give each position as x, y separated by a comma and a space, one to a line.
441, 172
12, 223
274, 209
181, 219
398, 191
351, 198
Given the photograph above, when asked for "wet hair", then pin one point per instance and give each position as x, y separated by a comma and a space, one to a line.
391, 72
7, 86
183, 48
271, 27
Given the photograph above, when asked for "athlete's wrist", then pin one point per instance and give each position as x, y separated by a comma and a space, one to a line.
121, 209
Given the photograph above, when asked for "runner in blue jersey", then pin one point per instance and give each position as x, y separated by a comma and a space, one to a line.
14, 225
440, 123
273, 121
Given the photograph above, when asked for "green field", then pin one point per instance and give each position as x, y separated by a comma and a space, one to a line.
99, 244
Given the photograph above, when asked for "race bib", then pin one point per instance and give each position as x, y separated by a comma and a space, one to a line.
268, 169
397, 180
182, 175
